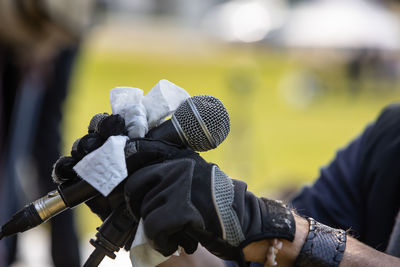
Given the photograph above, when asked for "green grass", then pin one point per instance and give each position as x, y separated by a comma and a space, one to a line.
272, 143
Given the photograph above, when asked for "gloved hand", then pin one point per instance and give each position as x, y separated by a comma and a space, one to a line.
101, 127
187, 200
139, 152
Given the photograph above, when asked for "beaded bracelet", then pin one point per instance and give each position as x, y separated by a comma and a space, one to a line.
324, 246
272, 251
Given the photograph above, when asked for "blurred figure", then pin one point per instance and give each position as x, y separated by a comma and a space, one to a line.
354, 71
38, 44
373, 69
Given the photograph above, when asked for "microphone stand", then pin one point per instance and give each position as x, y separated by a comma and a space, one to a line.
116, 231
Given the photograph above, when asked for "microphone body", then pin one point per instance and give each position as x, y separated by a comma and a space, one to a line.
69, 195
64, 197
166, 132
200, 122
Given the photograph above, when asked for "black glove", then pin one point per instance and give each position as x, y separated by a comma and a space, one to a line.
138, 152
100, 128
187, 200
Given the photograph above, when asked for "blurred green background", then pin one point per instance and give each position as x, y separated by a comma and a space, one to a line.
289, 114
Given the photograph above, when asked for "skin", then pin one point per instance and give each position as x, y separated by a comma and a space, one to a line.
356, 254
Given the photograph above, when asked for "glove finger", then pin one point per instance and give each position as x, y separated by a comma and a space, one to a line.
144, 152
162, 147
141, 153
188, 243
111, 125
94, 122
74, 149
143, 159
62, 170
165, 245
87, 144
165, 149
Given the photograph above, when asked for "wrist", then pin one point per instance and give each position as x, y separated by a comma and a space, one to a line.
290, 250
257, 251
324, 246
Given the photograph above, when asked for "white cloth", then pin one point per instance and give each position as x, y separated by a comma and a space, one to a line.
142, 254
127, 102
162, 101
105, 167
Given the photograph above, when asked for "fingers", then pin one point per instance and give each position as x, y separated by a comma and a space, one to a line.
162, 147
165, 245
100, 128
168, 243
187, 242
111, 125
184, 241
95, 121
144, 152
85, 145
107, 125
63, 167
62, 170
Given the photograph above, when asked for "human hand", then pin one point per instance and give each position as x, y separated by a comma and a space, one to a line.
100, 128
138, 152
187, 200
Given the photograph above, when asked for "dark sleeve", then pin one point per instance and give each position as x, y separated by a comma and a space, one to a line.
358, 189
335, 195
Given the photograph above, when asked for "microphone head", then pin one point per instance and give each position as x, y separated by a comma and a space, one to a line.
202, 122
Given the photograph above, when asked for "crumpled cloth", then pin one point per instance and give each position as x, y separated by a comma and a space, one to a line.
142, 254
105, 167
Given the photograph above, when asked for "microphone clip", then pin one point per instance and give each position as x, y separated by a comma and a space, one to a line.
115, 232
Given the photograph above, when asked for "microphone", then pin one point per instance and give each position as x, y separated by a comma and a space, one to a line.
200, 122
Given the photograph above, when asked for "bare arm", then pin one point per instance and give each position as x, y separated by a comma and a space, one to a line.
356, 253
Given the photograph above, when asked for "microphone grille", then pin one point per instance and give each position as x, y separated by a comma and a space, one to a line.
204, 122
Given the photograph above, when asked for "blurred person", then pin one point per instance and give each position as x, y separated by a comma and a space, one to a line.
379, 68
39, 41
